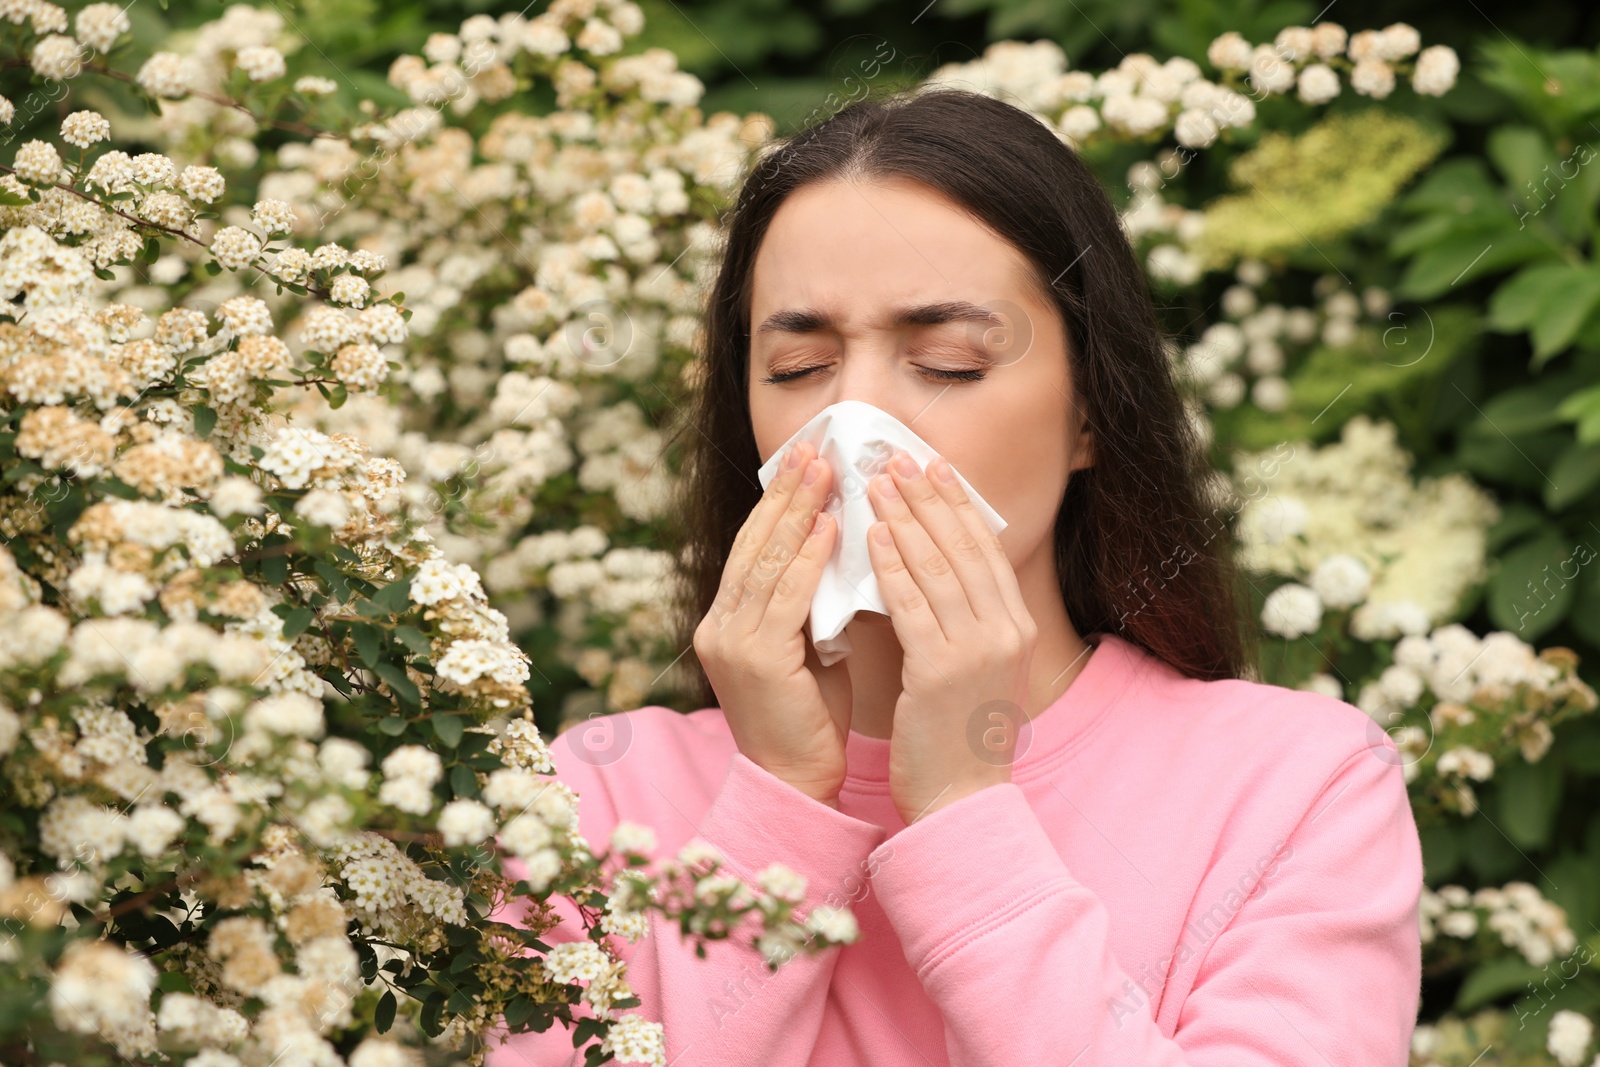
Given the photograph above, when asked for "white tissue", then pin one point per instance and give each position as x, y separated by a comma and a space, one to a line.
858, 440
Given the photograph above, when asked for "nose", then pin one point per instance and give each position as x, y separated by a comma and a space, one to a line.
867, 372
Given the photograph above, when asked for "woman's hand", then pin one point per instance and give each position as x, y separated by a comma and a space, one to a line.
788, 714
967, 638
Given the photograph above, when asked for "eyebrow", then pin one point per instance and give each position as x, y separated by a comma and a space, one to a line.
810, 320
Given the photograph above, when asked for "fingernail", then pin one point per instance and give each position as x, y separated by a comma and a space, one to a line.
907, 466
887, 487
790, 454
942, 470
813, 472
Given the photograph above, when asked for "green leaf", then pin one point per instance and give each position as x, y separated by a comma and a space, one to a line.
114, 486
1441, 852
275, 569
1551, 300
383, 1017
518, 1011
1520, 153
1515, 305
339, 395
403, 687
1529, 795
174, 982
1574, 476
1525, 410
369, 643
414, 639
1527, 74
1493, 979
19, 470
393, 725
1466, 256
1530, 592
449, 728
338, 581
296, 621
10, 199
1576, 888
211, 266
1585, 618
205, 420
1583, 408
394, 597
432, 1009
475, 745
1516, 521
462, 781
1460, 188
65, 511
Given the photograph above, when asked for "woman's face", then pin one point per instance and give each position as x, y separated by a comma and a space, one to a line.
840, 265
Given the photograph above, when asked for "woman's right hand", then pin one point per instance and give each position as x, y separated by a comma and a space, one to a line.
788, 714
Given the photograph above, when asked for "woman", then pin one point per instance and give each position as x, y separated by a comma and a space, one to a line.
1070, 830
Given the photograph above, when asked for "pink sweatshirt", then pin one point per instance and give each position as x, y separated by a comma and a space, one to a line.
1210, 874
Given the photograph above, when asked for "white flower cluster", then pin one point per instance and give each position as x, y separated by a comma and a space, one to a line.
604, 983
1490, 692
1422, 543
519, 746
1301, 56
634, 1039
122, 581
612, 271
1518, 913
409, 774
395, 896
103, 989
541, 816
1141, 97
480, 660
1245, 353
154, 192
1137, 98
438, 580
307, 457
625, 915
1569, 1037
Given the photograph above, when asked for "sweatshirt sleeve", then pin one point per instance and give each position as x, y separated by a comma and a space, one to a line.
1324, 966
726, 1008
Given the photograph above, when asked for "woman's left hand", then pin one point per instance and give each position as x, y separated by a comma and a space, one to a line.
966, 635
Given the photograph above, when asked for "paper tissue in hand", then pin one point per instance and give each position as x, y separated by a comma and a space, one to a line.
858, 440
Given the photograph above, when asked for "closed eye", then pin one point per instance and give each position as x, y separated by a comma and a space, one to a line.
935, 372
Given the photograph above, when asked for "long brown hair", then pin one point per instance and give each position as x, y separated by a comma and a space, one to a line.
1140, 551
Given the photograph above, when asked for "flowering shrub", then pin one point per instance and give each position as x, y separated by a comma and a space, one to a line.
265, 746
290, 402
1517, 915
550, 265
